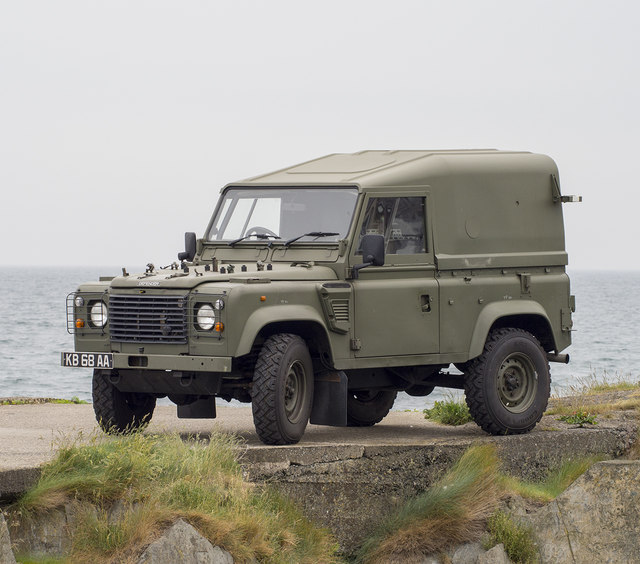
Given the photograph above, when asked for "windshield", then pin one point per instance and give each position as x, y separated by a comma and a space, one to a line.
284, 213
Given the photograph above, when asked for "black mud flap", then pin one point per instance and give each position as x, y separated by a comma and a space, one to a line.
330, 399
204, 408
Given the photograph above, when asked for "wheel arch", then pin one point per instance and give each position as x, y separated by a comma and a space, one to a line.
300, 320
507, 387
520, 314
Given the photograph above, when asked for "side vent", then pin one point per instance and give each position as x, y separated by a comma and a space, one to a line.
335, 298
340, 310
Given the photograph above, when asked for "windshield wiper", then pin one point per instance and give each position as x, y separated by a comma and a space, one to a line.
310, 234
257, 235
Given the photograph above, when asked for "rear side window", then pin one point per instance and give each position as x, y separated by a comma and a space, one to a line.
400, 220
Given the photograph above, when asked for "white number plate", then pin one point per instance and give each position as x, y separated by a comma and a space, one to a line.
87, 360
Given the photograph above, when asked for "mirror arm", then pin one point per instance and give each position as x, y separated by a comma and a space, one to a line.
357, 268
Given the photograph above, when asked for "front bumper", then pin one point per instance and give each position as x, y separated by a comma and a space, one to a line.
181, 363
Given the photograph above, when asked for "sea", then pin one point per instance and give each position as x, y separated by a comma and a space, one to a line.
33, 332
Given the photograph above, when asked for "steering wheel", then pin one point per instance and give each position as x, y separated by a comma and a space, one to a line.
259, 230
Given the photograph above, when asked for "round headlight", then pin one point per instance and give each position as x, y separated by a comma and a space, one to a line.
205, 317
99, 314
79, 301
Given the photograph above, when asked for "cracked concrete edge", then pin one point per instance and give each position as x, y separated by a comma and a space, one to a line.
301, 455
268, 462
6, 552
520, 457
16, 481
561, 518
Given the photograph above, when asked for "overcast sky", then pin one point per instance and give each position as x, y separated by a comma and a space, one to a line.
121, 120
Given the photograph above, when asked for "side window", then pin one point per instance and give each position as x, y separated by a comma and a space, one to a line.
400, 220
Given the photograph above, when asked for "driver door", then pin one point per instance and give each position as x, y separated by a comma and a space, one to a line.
396, 305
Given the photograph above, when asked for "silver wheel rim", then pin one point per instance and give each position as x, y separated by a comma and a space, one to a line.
294, 391
517, 383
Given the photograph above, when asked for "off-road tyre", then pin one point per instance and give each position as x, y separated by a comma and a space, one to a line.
368, 407
282, 391
119, 412
507, 387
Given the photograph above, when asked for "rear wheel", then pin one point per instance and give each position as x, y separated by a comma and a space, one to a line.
507, 387
368, 407
116, 411
282, 391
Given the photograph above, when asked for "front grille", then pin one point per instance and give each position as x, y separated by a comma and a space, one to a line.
148, 319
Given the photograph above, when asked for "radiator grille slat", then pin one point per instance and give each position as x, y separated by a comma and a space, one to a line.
148, 319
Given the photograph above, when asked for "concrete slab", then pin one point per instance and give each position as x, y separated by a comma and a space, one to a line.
29, 433
347, 479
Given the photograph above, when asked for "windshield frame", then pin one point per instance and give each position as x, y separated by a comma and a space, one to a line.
223, 200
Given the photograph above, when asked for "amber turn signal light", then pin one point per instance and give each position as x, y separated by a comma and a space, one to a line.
219, 327
79, 323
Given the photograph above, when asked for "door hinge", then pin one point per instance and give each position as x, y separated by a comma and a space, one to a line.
565, 319
356, 345
525, 282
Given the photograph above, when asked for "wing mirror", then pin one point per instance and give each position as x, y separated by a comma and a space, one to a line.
189, 247
372, 253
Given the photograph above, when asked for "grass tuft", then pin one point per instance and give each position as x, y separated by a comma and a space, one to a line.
594, 384
589, 394
631, 403
556, 481
452, 511
517, 539
126, 490
456, 509
450, 411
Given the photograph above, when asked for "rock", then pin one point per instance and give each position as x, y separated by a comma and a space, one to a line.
597, 519
44, 534
351, 488
183, 544
467, 553
495, 555
6, 554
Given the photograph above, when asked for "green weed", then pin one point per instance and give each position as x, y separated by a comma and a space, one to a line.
579, 417
27, 559
75, 400
30, 401
450, 411
518, 539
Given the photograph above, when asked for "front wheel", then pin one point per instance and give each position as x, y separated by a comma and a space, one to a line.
368, 407
507, 387
116, 411
282, 391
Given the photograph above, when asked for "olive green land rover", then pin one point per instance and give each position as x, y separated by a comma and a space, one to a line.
320, 291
